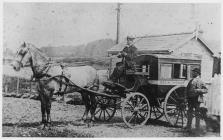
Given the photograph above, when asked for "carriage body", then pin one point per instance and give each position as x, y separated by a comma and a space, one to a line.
162, 79
162, 72
165, 71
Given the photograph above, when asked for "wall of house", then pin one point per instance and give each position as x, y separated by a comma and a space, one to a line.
195, 47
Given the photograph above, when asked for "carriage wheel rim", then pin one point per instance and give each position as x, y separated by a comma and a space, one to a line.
136, 113
180, 115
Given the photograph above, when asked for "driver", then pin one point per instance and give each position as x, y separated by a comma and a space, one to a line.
128, 55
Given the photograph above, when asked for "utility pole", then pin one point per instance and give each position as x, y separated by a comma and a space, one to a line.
118, 22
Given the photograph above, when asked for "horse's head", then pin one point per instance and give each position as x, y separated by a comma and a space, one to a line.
22, 58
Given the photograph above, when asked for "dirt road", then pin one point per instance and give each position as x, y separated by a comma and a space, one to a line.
21, 118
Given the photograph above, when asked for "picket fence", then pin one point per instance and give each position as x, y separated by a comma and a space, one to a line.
213, 97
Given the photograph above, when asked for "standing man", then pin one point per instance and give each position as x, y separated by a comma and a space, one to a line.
128, 55
195, 90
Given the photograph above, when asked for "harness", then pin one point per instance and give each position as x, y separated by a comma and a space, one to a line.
44, 76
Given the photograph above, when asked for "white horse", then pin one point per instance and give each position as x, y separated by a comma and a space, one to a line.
54, 78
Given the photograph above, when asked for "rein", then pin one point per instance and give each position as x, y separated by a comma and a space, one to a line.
41, 75
43, 72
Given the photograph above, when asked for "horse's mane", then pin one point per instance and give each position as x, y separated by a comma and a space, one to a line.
37, 51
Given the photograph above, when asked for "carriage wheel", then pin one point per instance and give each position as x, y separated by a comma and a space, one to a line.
156, 112
135, 110
175, 107
106, 108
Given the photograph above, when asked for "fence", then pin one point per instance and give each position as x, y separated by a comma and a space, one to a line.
213, 97
17, 85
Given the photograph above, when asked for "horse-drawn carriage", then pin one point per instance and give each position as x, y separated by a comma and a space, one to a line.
155, 88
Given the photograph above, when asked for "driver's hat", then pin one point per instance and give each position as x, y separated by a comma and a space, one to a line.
130, 37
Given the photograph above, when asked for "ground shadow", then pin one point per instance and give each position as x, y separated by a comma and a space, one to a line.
36, 124
158, 123
194, 133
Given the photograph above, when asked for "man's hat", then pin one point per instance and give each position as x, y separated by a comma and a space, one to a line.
196, 70
130, 38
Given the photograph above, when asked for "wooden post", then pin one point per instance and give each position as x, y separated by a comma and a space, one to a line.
110, 68
6, 88
118, 22
17, 89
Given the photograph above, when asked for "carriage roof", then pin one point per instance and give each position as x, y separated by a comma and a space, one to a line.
169, 57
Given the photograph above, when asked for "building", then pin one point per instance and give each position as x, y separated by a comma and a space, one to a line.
183, 44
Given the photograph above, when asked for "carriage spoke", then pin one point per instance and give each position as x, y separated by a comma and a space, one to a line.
141, 101
141, 115
108, 113
97, 111
104, 114
173, 99
100, 114
130, 105
145, 105
182, 118
111, 109
158, 110
133, 115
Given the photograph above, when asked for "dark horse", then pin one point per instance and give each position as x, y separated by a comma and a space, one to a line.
49, 82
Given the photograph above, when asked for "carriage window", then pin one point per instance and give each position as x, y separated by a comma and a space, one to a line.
179, 71
165, 71
145, 68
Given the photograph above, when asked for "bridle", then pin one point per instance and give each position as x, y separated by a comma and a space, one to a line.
42, 72
22, 55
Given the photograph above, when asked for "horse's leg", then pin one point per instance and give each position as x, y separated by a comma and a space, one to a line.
42, 101
93, 107
48, 108
49, 94
43, 111
87, 106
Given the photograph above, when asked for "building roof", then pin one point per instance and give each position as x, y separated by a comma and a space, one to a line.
159, 44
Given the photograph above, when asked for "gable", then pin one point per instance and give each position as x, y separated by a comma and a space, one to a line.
193, 46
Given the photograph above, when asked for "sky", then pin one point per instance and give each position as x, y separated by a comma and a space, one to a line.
58, 24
